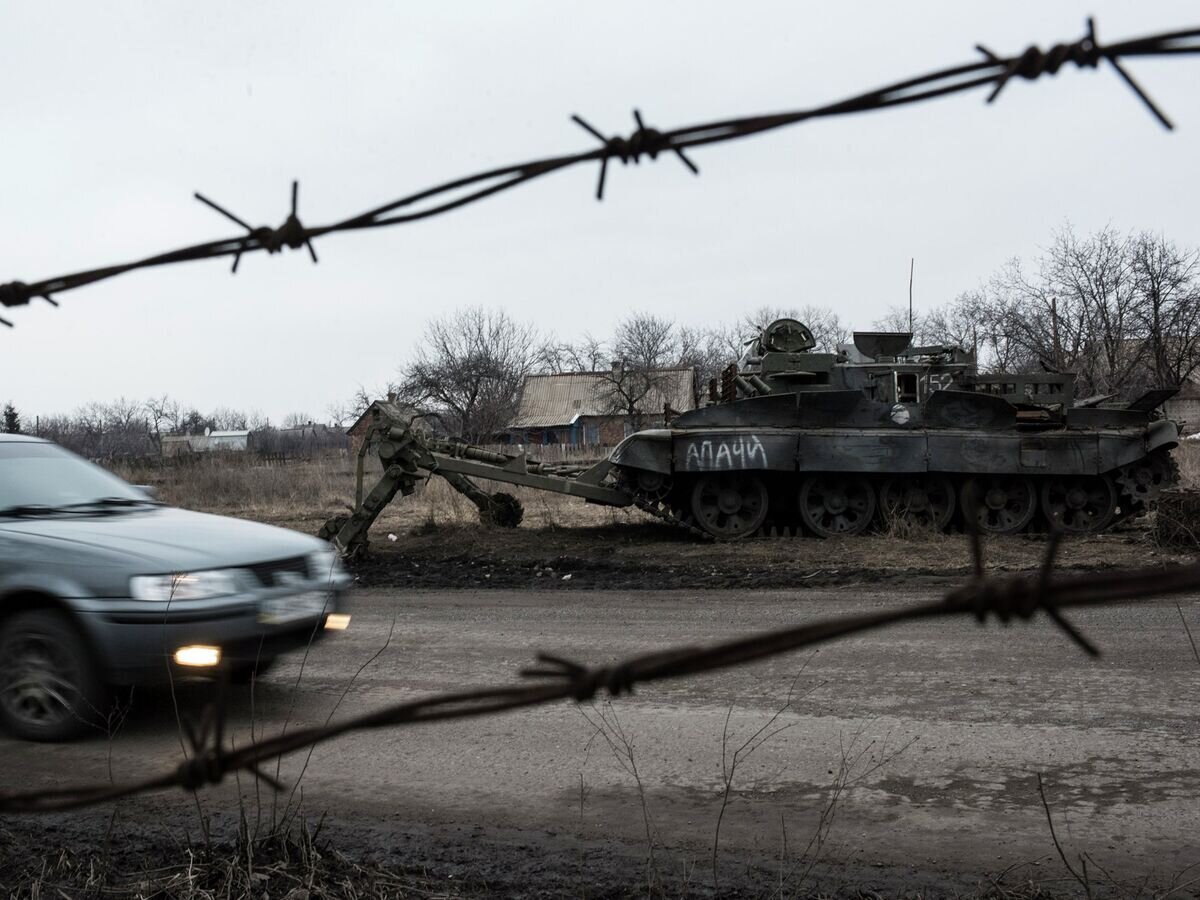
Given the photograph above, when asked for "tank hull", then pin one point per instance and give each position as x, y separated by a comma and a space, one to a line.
819, 462
883, 451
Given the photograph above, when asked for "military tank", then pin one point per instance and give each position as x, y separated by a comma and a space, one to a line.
886, 434
879, 434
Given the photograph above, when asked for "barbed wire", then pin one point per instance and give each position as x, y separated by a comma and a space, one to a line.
992, 70
557, 678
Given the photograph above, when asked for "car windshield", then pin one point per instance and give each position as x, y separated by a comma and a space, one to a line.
35, 475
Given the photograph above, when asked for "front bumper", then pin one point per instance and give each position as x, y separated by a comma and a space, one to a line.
135, 642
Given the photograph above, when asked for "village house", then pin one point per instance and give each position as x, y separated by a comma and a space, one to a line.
209, 442
581, 409
395, 410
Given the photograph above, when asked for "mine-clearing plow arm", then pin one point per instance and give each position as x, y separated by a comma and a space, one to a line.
410, 455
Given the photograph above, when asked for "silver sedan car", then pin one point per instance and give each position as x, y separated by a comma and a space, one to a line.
101, 586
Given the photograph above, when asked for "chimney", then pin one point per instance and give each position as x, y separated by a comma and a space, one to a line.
618, 370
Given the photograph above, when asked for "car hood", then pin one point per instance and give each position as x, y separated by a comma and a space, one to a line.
165, 539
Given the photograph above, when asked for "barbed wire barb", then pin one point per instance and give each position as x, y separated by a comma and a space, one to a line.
291, 233
1043, 588
1084, 53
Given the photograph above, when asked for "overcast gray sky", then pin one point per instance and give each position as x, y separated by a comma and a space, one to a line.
115, 113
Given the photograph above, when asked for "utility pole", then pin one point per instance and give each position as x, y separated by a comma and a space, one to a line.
1054, 333
912, 262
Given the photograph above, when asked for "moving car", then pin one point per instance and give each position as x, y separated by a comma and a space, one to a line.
101, 585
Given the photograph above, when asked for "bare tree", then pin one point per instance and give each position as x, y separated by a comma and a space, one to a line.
1095, 275
1168, 285
342, 414
896, 319
296, 420
162, 413
704, 349
225, 419
1120, 312
589, 354
469, 369
646, 341
958, 323
103, 430
1111, 309
644, 347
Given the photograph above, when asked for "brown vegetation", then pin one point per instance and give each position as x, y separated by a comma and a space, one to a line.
303, 494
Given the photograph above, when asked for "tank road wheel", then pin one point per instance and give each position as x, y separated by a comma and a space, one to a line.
503, 511
654, 486
1145, 479
1079, 503
918, 501
730, 505
1004, 504
837, 504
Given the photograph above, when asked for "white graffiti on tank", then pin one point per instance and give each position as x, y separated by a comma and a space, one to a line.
742, 452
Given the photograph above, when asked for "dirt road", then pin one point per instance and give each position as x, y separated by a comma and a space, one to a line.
917, 749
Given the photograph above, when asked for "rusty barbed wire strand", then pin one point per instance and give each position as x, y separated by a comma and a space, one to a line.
557, 678
991, 70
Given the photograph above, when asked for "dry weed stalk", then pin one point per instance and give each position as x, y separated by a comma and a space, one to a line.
855, 765
731, 761
607, 725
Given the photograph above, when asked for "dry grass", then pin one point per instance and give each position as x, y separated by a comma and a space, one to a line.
290, 865
298, 869
305, 494
243, 485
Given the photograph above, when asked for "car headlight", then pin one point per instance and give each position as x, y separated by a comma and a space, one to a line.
324, 564
183, 586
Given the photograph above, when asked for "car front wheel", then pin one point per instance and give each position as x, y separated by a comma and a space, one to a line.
49, 689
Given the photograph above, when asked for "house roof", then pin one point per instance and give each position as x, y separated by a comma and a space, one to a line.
395, 409
550, 400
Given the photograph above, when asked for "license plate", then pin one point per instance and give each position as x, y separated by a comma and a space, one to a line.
276, 610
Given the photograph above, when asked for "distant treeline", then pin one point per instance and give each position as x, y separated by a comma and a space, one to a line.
131, 428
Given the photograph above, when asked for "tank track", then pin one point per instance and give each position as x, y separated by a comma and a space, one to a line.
1132, 501
663, 511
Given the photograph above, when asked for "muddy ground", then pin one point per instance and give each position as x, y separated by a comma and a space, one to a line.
632, 556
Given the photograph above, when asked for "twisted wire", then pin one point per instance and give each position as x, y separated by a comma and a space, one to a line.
991, 70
